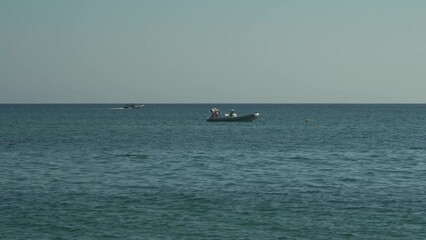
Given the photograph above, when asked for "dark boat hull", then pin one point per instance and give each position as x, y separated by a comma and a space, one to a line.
133, 106
243, 118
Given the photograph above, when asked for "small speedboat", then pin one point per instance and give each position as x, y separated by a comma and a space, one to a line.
231, 117
243, 118
133, 106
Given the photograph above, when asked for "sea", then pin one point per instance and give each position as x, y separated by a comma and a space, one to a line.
300, 171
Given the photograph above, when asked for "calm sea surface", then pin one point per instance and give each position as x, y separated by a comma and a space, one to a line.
163, 172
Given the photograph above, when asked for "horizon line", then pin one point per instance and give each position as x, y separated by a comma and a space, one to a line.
201, 103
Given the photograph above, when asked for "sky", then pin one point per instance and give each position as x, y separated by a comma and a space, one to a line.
212, 51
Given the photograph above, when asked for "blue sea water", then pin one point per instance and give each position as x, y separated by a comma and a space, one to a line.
163, 172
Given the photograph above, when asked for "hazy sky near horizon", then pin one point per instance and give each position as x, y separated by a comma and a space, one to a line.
212, 51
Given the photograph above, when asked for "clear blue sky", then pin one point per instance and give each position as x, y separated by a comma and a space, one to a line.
212, 51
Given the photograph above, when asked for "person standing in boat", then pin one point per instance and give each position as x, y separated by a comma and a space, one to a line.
215, 113
232, 113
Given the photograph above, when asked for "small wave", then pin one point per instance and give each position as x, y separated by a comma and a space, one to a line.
116, 108
135, 156
349, 179
300, 157
417, 148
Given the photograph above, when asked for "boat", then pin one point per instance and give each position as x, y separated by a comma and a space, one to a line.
133, 106
231, 117
243, 118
